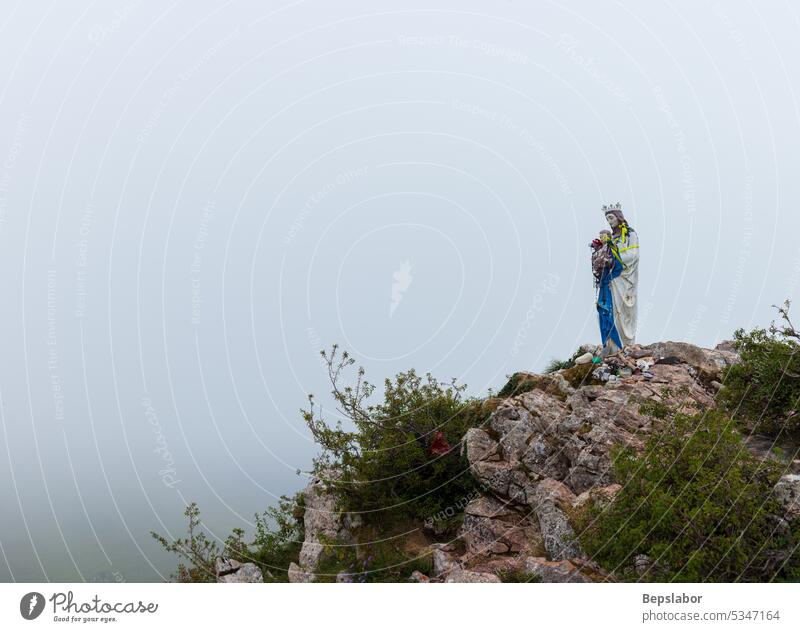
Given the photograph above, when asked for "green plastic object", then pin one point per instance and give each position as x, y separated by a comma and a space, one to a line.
597, 360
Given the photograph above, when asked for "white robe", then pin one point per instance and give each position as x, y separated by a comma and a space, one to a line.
624, 289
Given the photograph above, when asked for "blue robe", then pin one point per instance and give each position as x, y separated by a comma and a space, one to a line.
605, 305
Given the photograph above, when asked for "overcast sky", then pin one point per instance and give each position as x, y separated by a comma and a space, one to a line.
196, 197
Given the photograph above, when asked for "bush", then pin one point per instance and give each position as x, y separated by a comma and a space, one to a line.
385, 558
518, 577
764, 388
277, 542
401, 456
556, 365
698, 504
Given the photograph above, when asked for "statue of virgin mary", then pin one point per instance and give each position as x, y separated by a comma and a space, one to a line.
618, 284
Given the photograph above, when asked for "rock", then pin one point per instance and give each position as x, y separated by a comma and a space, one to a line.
225, 565
479, 446
586, 358
343, 577
351, 522
726, 345
550, 489
782, 450
321, 520
322, 523
230, 571
709, 361
461, 576
566, 571
642, 565
589, 348
419, 578
558, 536
298, 576
787, 491
443, 562
547, 448
601, 495
492, 527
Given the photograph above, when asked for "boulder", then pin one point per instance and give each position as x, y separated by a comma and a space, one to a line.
493, 527
479, 446
461, 576
323, 523
298, 576
787, 491
566, 571
601, 495
443, 562
585, 358
558, 536
230, 571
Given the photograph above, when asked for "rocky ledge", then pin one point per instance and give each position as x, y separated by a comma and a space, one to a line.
542, 454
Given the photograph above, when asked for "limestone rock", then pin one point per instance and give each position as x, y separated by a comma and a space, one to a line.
559, 538
787, 491
602, 495
461, 576
323, 523
230, 571
298, 576
566, 571
443, 562
492, 527
479, 446
585, 358
544, 452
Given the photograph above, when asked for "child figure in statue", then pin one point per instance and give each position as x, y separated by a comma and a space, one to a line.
617, 282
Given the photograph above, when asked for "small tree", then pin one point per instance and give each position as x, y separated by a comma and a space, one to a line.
401, 455
277, 541
196, 553
764, 387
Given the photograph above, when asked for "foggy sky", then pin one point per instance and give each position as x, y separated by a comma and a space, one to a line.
196, 197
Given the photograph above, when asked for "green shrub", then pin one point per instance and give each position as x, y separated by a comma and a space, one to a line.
390, 461
520, 383
556, 365
518, 577
382, 560
698, 504
277, 541
764, 388
196, 553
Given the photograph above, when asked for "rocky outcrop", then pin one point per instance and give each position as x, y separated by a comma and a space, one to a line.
324, 525
787, 491
545, 451
541, 456
471, 577
230, 571
493, 527
577, 571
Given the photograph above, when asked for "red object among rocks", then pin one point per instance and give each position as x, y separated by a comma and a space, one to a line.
439, 445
